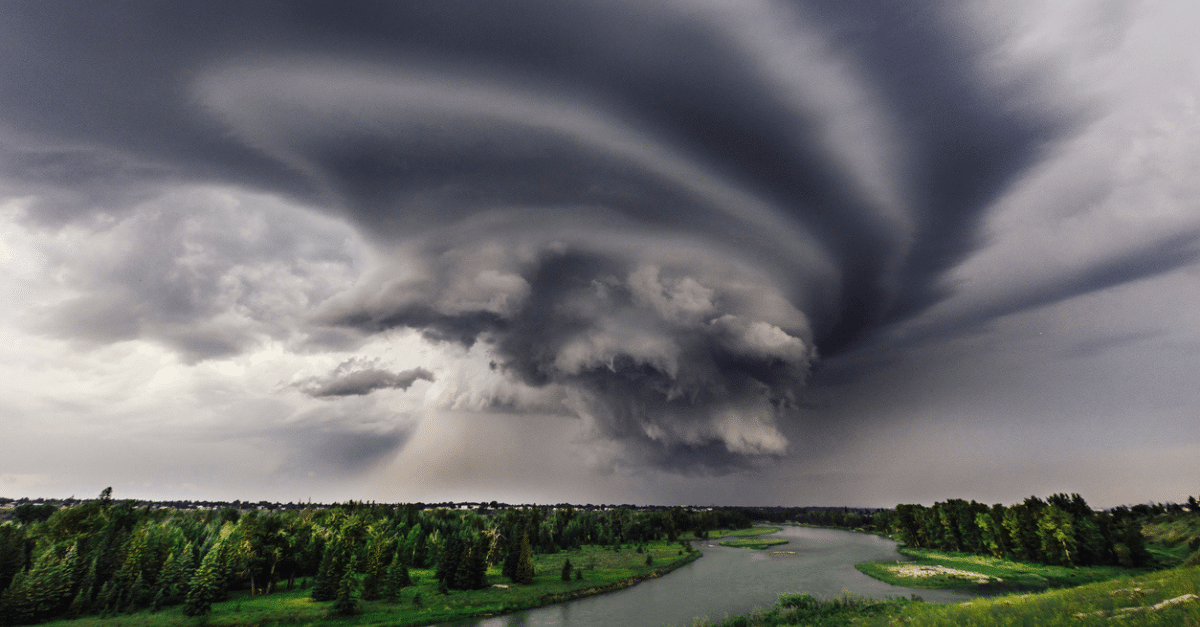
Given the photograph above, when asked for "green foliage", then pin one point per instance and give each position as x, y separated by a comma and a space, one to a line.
566, 570
208, 584
396, 579
29, 513
346, 601
1062, 530
523, 574
129, 558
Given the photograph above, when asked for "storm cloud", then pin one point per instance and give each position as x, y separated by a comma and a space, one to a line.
683, 223
357, 377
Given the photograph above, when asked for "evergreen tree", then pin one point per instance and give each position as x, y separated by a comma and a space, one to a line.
329, 575
12, 553
44, 591
448, 561
208, 584
523, 573
397, 578
13, 608
139, 594
376, 569
512, 552
82, 602
346, 601
566, 570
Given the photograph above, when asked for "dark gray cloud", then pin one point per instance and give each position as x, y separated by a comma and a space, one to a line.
357, 377
343, 438
649, 205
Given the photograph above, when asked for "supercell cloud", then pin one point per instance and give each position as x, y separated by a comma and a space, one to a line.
677, 222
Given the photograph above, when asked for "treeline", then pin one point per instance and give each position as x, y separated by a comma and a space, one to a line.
1061, 530
841, 517
108, 557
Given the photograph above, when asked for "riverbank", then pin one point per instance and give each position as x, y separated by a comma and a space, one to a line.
603, 569
932, 569
1164, 598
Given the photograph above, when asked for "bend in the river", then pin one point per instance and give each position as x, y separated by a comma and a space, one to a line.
730, 581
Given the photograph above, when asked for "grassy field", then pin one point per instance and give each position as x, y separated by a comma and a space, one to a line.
748, 532
603, 570
939, 569
1169, 598
754, 543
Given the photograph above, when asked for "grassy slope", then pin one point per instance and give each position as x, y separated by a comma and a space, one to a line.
1172, 541
1098, 603
603, 569
1002, 575
1123, 601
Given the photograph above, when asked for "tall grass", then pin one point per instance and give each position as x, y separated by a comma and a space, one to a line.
1169, 598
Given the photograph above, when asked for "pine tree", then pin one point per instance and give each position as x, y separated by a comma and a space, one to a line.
448, 561
524, 567
13, 608
376, 570
397, 578
328, 575
566, 570
346, 601
138, 594
207, 584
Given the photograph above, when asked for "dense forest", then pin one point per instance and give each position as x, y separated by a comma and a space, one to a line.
105, 556
1061, 530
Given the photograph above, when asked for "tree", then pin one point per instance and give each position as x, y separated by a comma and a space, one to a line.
448, 561
346, 601
329, 574
376, 570
566, 570
397, 578
523, 574
208, 584
1056, 529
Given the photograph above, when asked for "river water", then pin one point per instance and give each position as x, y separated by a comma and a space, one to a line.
729, 581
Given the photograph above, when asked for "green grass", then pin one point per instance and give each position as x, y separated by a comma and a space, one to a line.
1094, 604
752, 543
1173, 539
603, 570
995, 575
1125, 601
748, 532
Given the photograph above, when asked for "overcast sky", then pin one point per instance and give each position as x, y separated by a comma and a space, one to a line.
646, 251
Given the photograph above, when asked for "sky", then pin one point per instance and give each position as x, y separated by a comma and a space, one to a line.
765, 252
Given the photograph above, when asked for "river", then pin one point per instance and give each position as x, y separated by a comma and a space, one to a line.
729, 581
